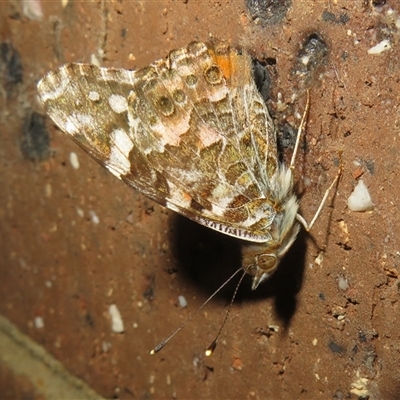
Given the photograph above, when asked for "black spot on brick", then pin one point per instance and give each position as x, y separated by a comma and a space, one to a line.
268, 12
10, 66
335, 348
312, 55
286, 137
262, 79
342, 19
35, 144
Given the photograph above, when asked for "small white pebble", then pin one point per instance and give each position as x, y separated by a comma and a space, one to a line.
360, 199
94, 60
93, 216
80, 212
129, 218
380, 47
48, 284
306, 181
274, 328
32, 9
105, 346
182, 301
343, 283
117, 325
48, 190
305, 60
360, 387
73, 159
39, 323
319, 259
196, 362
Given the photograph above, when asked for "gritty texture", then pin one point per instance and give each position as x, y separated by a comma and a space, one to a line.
301, 335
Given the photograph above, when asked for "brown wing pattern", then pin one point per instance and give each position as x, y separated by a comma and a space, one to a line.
191, 132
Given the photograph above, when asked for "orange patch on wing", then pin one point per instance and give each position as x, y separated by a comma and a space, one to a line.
187, 197
224, 62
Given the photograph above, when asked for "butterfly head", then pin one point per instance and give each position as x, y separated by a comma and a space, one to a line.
261, 259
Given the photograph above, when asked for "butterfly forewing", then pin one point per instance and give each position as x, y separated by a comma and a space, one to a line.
191, 132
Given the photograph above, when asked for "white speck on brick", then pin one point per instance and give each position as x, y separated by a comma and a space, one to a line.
32, 9
95, 60
274, 328
380, 47
94, 218
48, 190
73, 159
117, 325
305, 60
182, 301
343, 283
39, 323
360, 200
105, 346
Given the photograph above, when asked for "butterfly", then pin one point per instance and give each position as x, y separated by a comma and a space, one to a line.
192, 133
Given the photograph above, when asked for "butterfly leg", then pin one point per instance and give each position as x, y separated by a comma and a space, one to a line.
299, 131
300, 218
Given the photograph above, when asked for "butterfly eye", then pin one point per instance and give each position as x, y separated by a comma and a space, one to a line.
267, 262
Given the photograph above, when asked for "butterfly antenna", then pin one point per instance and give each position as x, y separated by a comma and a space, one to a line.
165, 341
213, 345
299, 131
